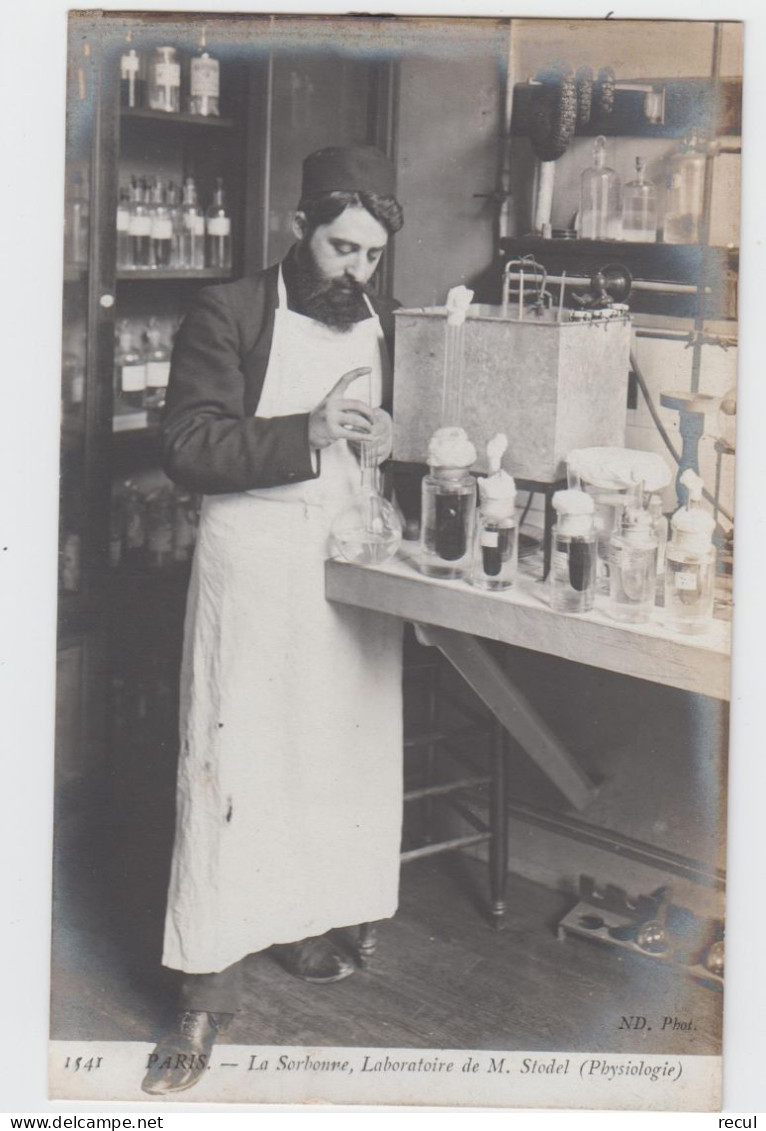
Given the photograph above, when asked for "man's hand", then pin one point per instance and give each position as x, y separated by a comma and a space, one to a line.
337, 417
380, 441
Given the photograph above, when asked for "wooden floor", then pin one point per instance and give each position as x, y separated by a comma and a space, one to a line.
441, 978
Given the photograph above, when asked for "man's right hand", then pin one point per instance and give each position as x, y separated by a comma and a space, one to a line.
338, 417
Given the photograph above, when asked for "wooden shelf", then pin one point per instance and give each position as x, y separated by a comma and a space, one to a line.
155, 275
194, 120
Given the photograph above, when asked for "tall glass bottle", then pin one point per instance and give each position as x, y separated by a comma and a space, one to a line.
161, 229
684, 191
76, 221
164, 88
192, 229
639, 208
129, 371
633, 567
690, 564
123, 230
139, 226
218, 228
132, 76
157, 360
600, 206
573, 558
176, 220
204, 82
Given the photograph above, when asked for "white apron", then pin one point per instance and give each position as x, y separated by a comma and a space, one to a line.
289, 802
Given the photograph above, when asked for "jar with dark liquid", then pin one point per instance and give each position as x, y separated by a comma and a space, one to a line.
449, 510
573, 558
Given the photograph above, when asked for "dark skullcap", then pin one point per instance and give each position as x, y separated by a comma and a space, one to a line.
359, 168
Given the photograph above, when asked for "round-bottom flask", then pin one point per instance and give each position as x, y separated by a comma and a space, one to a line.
573, 558
449, 508
368, 531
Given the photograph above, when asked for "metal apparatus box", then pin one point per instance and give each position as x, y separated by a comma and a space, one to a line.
551, 385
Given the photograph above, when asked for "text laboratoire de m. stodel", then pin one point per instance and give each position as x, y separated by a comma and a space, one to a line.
587, 1068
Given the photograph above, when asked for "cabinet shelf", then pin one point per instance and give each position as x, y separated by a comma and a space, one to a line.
194, 120
155, 275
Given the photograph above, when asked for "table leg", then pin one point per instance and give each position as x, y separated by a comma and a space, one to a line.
498, 823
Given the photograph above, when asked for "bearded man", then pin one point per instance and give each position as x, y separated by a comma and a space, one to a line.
289, 802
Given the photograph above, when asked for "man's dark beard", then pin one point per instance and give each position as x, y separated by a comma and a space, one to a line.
338, 303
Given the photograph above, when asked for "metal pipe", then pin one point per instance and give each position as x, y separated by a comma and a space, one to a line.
637, 284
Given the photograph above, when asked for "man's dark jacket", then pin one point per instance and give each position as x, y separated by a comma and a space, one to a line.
212, 441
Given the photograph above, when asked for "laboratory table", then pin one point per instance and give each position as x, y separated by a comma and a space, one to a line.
458, 619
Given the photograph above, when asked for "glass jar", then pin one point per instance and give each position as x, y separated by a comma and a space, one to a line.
600, 205
690, 570
164, 86
633, 568
639, 208
449, 509
496, 549
684, 192
574, 553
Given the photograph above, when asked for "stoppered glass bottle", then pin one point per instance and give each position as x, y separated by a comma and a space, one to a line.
164, 86
690, 567
157, 361
573, 557
639, 208
218, 229
204, 82
132, 76
139, 226
496, 550
633, 567
161, 228
129, 370
600, 205
684, 192
192, 229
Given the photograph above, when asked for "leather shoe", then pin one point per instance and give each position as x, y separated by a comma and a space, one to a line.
183, 1054
314, 960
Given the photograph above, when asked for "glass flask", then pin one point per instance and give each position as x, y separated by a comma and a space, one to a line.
368, 531
573, 557
164, 86
496, 544
600, 211
447, 527
633, 567
684, 188
690, 570
639, 208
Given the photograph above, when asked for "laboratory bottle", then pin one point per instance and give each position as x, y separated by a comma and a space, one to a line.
174, 212
660, 528
690, 565
160, 507
161, 228
192, 229
600, 206
139, 226
157, 360
134, 524
684, 189
129, 370
639, 208
132, 76
496, 551
123, 230
204, 82
164, 85
218, 229
76, 222
573, 556
633, 567
368, 531
447, 526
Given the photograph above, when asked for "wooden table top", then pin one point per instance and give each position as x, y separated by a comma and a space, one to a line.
522, 616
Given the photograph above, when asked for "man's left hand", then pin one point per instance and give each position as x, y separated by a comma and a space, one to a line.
381, 438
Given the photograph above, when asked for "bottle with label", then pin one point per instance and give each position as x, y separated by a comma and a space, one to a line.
139, 226
218, 229
573, 557
192, 229
633, 567
123, 230
129, 371
690, 563
600, 205
157, 359
639, 208
132, 76
161, 227
684, 190
496, 553
164, 88
204, 82
176, 221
